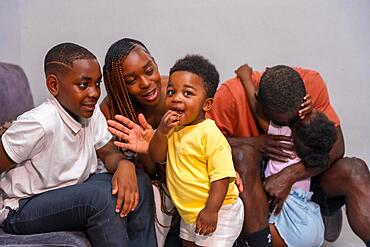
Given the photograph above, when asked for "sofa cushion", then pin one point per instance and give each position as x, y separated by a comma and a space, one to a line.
15, 93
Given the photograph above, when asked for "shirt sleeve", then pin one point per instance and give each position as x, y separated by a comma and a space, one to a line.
320, 97
24, 139
223, 111
219, 158
102, 135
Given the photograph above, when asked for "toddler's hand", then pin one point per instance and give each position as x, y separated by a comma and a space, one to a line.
206, 222
244, 72
306, 107
169, 121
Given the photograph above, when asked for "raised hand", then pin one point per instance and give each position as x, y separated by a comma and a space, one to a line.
169, 121
244, 73
306, 107
134, 137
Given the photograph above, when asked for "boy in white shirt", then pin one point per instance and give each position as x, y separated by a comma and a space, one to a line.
48, 161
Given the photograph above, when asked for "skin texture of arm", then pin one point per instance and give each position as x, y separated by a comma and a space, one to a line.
206, 222
124, 181
5, 162
244, 73
279, 184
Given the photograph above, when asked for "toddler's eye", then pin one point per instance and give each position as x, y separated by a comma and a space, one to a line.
98, 83
188, 93
170, 92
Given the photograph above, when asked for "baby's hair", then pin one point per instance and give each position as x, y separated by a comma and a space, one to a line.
281, 89
63, 55
203, 68
120, 100
313, 139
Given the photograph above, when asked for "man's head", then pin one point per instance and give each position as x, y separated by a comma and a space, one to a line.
192, 84
280, 94
314, 137
73, 77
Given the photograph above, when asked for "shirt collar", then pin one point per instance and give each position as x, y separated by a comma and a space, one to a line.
74, 125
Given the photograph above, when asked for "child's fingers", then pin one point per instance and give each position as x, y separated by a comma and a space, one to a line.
136, 201
119, 201
114, 186
126, 203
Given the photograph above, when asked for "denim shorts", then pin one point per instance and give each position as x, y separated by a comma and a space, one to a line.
299, 222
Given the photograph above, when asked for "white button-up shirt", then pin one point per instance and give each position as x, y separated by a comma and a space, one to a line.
52, 150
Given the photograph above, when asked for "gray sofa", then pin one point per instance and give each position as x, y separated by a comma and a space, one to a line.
16, 98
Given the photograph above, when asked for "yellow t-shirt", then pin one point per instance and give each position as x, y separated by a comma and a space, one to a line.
198, 155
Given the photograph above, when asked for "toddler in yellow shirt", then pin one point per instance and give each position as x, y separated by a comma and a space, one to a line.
199, 167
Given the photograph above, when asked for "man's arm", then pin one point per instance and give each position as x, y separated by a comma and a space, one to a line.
207, 219
279, 184
124, 181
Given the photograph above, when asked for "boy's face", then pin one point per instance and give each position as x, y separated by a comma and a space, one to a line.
142, 78
78, 89
186, 94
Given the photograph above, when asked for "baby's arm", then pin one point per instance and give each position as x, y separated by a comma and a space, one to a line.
207, 219
244, 73
158, 144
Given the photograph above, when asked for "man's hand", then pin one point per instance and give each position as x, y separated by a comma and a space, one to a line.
124, 185
135, 138
275, 147
206, 222
278, 187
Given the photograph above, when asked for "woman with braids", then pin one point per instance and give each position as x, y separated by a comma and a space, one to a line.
137, 91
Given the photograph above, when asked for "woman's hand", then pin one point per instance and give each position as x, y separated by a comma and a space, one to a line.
134, 137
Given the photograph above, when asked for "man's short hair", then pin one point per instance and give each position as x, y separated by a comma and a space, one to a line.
281, 89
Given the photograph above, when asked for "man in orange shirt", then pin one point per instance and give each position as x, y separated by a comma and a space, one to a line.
346, 181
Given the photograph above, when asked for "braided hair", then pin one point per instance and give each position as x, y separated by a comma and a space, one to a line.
120, 100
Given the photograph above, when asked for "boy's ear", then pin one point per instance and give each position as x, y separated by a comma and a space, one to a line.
52, 82
207, 104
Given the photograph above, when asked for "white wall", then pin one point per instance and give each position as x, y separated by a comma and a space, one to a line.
331, 36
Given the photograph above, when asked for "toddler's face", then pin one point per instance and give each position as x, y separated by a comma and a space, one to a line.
79, 89
186, 94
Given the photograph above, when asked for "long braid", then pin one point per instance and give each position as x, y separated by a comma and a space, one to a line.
119, 97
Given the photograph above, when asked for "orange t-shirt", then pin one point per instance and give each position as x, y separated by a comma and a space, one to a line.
233, 116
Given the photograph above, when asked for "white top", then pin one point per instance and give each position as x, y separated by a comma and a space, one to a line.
52, 150
274, 166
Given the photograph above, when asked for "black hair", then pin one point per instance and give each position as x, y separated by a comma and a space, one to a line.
203, 68
281, 89
313, 139
120, 100
63, 55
